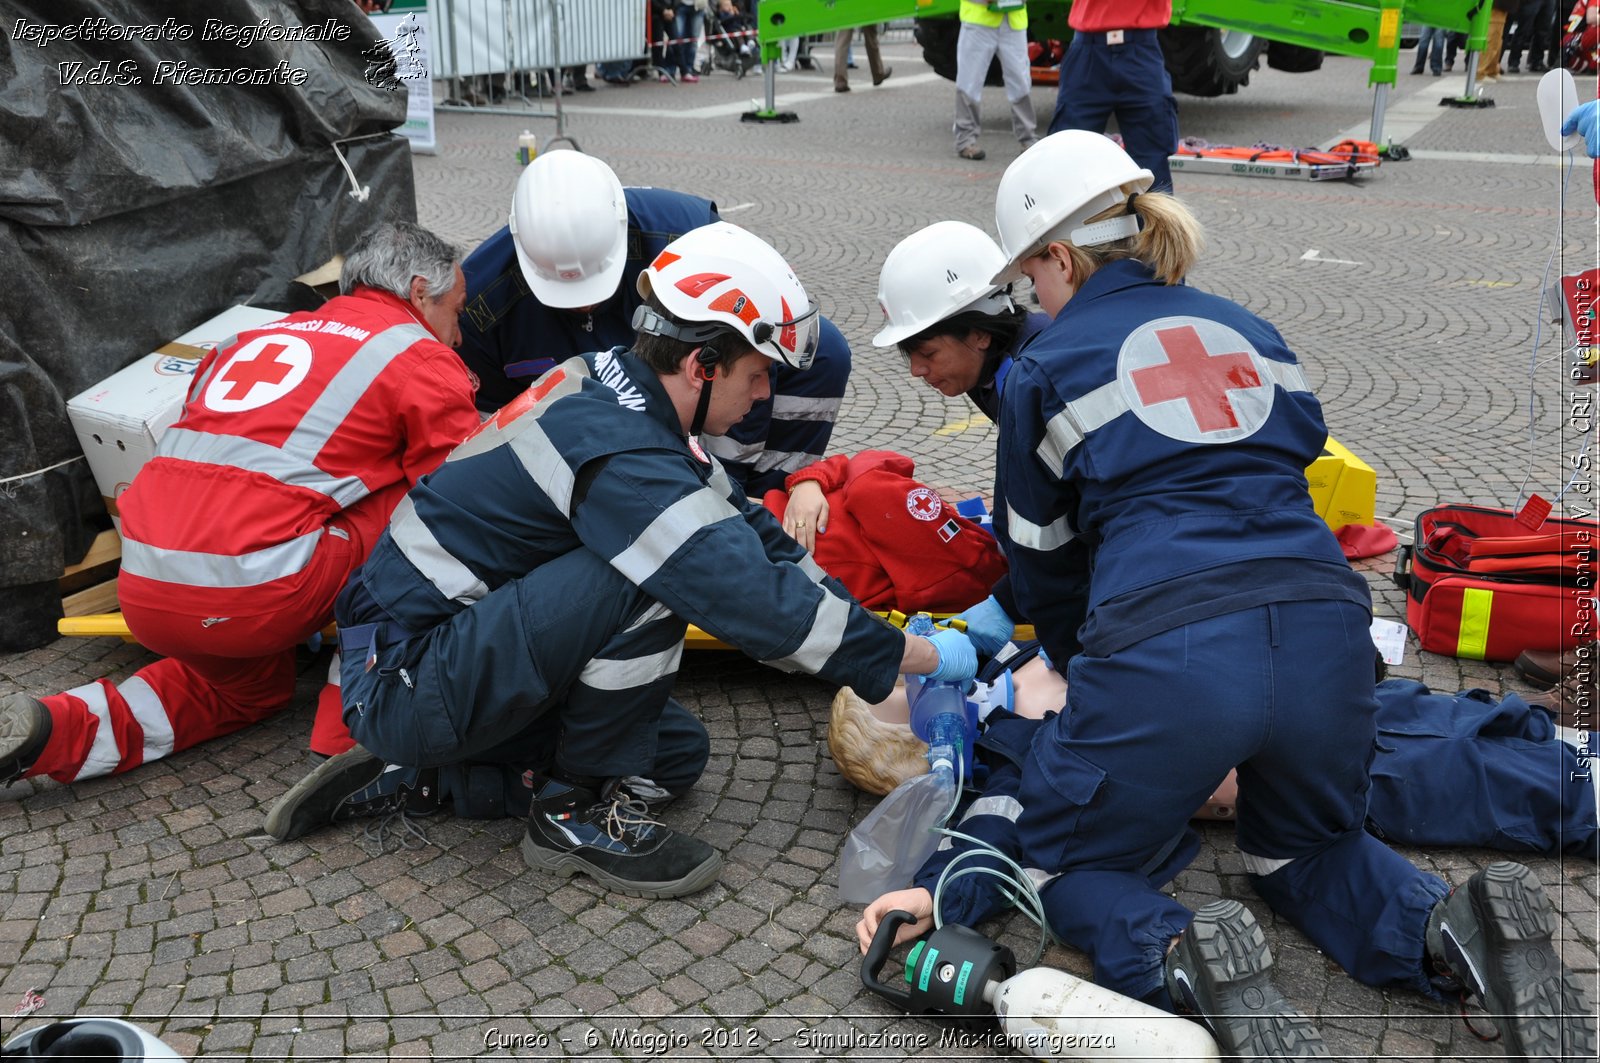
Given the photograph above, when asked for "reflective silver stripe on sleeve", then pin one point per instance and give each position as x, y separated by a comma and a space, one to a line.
1004, 807
722, 484
787, 460
803, 408
1287, 375
809, 566
1040, 877
544, 465
673, 527
152, 717
1076, 420
196, 569
825, 636
630, 674
352, 381
1043, 537
730, 449
205, 448
438, 566
1262, 865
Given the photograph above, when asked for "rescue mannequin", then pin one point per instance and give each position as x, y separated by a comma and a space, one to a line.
559, 281
295, 444
530, 598
1155, 515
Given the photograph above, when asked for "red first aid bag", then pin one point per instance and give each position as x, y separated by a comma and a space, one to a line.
1480, 584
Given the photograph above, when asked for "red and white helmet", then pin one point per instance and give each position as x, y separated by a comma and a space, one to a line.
936, 273
569, 224
720, 278
1050, 191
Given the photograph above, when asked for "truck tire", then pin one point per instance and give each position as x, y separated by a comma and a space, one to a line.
1292, 58
1209, 62
937, 36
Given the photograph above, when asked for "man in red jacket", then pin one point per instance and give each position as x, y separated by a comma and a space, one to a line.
296, 443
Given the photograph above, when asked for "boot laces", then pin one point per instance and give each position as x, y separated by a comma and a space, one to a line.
627, 814
397, 830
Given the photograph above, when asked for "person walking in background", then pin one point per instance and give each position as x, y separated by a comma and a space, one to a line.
841, 58
1114, 66
1489, 61
1431, 48
998, 28
1534, 35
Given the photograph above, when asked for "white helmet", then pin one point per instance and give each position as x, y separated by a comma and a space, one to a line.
936, 273
102, 1040
1052, 188
721, 278
569, 224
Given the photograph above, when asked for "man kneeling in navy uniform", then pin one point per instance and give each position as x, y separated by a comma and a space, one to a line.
528, 603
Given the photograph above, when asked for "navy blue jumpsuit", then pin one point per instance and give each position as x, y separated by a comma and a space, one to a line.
1153, 442
529, 598
508, 338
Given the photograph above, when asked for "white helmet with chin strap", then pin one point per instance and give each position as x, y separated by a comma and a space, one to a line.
1049, 192
569, 224
719, 279
936, 273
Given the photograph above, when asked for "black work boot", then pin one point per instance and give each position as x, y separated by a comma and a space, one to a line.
353, 785
606, 833
1491, 939
1221, 972
25, 728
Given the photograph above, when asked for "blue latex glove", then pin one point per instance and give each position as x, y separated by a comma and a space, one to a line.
958, 661
988, 626
1585, 119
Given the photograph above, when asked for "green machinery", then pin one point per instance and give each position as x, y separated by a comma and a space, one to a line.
1225, 36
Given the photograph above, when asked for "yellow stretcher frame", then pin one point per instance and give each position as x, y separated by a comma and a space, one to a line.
1343, 489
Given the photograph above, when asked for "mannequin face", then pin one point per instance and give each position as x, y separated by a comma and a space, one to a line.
1051, 274
951, 365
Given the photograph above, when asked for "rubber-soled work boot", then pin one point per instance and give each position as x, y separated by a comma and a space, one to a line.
353, 785
1543, 669
1221, 972
1491, 939
609, 836
25, 728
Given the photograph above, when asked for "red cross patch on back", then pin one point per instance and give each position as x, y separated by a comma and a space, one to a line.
262, 371
1195, 380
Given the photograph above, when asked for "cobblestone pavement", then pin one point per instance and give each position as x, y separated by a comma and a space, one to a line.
1412, 298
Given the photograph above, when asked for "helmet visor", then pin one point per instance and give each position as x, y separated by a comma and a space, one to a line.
795, 339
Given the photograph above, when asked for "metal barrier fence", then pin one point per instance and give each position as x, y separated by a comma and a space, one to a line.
491, 51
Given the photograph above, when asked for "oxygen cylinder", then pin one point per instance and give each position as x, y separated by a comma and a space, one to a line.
1049, 1014
958, 975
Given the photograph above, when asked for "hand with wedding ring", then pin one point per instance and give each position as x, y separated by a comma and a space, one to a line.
807, 514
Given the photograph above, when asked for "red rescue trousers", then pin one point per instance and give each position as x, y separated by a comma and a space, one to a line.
219, 673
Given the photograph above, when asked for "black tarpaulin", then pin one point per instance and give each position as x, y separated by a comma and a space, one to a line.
138, 200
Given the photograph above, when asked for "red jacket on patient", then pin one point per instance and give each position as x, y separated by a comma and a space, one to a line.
893, 542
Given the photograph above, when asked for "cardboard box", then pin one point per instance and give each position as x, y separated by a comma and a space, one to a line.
120, 419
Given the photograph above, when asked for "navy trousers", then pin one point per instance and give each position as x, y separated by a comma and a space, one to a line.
571, 664
1127, 80
1283, 691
